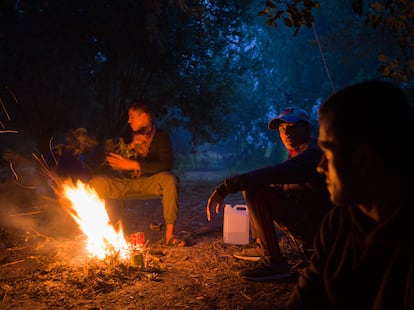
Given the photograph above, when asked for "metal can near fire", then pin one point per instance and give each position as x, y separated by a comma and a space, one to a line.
137, 239
137, 260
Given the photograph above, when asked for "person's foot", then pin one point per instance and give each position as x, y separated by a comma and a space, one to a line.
267, 271
156, 226
251, 254
175, 242
171, 239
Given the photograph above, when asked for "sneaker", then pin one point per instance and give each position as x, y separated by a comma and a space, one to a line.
251, 254
266, 271
299, 266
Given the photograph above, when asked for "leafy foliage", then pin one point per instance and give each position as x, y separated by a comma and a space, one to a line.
293, 13
398, 18
393, 16
85, 61
214, 71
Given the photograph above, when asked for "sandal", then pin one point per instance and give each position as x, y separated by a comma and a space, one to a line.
174, 242
156, 227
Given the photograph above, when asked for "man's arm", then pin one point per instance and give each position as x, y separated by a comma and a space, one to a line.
300, 169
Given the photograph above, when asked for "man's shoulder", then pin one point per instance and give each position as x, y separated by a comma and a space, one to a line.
349, 215
161, 134
161, 131
311, 154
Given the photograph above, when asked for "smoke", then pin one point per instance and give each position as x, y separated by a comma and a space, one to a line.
28, 204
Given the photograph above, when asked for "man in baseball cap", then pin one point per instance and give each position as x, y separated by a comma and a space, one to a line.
289, 115
290, 193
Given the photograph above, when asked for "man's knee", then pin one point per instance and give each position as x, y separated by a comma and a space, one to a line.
95, 180
168, 178
252, 195
98, 183
264, 197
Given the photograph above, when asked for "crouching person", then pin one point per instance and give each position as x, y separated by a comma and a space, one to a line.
289, 193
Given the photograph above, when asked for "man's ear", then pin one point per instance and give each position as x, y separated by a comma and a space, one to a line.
145, 115
363, 158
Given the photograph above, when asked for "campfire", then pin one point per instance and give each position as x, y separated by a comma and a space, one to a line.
89, 212
105, 242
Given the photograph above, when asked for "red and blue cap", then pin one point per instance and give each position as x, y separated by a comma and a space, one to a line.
289, 115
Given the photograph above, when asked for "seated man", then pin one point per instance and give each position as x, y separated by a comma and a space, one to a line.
143, 166
364, 251
290, 193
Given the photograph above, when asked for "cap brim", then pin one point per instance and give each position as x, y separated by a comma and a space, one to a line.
275, 122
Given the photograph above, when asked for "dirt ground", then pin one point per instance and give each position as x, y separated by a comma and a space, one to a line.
43, 264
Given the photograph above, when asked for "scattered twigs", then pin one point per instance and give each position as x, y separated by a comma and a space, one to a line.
51, 151
4, 109
13, 263
56, 185
13, 171
6, 113
48, 172
246, 296
25, 186
25, 214
13, 158
7, 131
12, 94
42, 235
4, 297
6, 288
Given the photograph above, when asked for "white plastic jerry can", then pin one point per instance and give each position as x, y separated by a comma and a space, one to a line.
236, 224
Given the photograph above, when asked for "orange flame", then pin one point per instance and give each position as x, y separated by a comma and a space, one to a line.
89, 211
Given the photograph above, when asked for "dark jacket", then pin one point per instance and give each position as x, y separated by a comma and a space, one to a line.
359, 264
295, 174
160, 156
298, 178
300, 169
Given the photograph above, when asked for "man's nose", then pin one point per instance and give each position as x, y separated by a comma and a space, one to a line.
321, 167
289, 131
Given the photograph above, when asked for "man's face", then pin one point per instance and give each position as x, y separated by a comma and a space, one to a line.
137, 120
331, 165
293, 135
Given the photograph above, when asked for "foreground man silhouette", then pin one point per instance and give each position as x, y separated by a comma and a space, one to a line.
364, 252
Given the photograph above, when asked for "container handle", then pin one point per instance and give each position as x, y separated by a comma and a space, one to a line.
241, 208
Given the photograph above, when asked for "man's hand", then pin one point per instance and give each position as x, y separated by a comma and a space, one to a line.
137, 139
118, 162
217, 199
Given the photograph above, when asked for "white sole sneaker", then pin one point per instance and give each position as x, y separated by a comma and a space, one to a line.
249, 258
266, 271
250, 254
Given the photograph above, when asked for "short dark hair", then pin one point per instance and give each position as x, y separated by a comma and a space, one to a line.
142, 106
376, 113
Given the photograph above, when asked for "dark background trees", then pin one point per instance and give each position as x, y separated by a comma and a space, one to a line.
216, 71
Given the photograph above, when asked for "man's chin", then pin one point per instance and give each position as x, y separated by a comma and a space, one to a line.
290, 146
